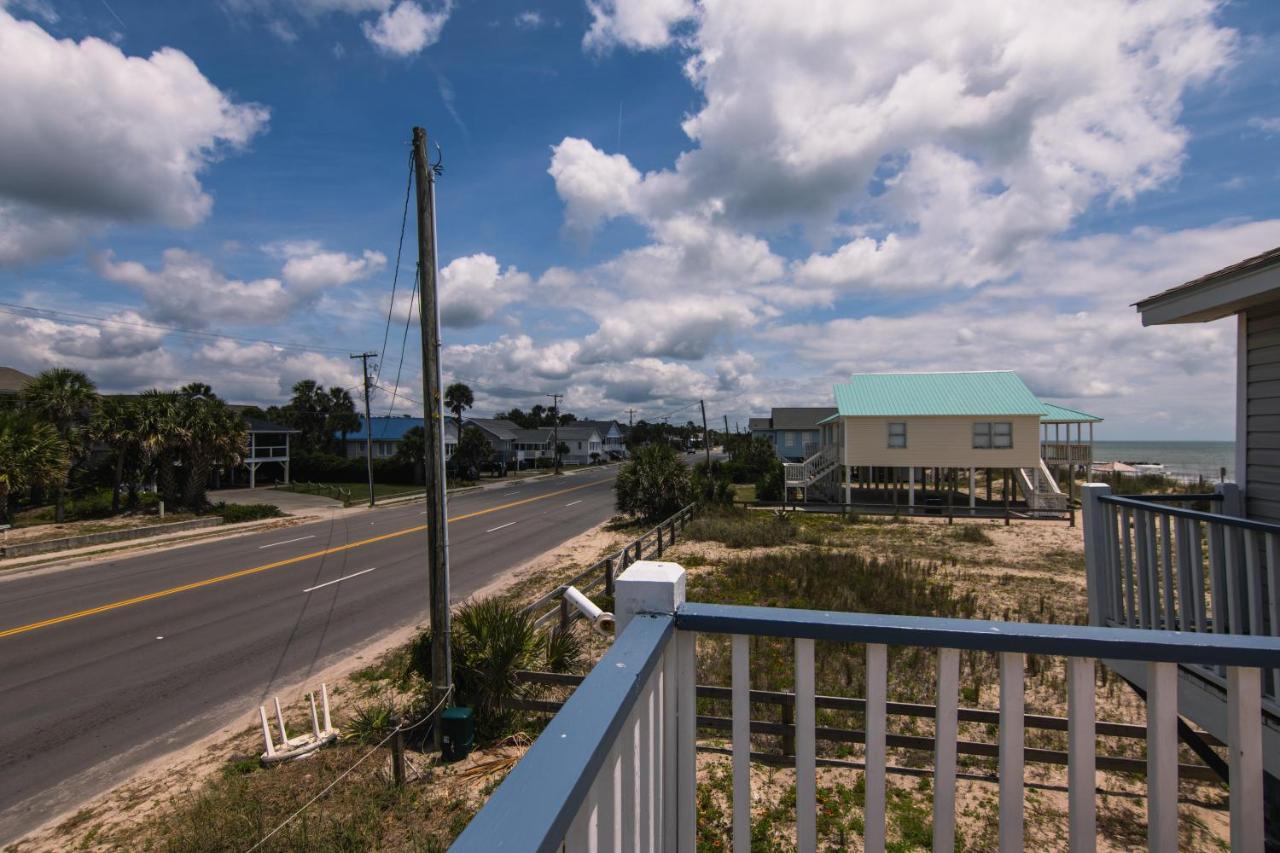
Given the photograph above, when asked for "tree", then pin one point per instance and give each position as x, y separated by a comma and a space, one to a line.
159, 435
341, 417
115, 425
473, 452
65, 399
654, 484
457, 399
413, 450
198, 389
32, 456
562, 450
212, 435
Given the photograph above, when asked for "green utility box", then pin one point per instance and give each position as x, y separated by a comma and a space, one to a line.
457, 733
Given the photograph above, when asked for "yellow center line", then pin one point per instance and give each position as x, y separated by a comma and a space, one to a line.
174, 590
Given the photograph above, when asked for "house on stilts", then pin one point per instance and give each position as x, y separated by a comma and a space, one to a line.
973, 438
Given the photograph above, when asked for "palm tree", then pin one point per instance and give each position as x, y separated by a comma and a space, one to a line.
198, 389
159, 433
457, 399
65, 399
32, 456
213, 435
115, 425
342, 417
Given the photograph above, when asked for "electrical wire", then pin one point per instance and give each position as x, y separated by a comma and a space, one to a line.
38, 313
404, 342
345, 773
395, 278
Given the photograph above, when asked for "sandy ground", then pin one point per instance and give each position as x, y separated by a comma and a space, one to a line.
183, 770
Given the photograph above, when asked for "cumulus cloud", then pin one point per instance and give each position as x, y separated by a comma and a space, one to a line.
473, 289
157, 122
190, 290
640, 24
530, 19
406, 29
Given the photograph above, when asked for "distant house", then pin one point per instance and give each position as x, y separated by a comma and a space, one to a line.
917, 430
12, 383
612, 436
792, 431
387, 435
268, 445
584, 442
503, 437
531, 445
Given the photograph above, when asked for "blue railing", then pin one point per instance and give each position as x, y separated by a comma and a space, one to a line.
616, 769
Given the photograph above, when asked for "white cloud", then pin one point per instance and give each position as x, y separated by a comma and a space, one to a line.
473, 289
530, 19
1266, 124
641, 24
156, 124
595, 186
189, 290
407, 29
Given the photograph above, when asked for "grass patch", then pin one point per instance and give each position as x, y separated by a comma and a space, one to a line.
972, 534
235, 513
740, 528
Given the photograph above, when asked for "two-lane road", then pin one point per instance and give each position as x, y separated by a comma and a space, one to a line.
106, 666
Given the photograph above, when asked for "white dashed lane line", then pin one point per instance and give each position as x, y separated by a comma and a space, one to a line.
573, 503
341, 579
286, 542
500, 526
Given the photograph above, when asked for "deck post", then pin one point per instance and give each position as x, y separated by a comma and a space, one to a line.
647, 586
911, 490
973, 490
1094, 517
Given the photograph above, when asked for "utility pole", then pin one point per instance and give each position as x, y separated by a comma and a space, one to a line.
706, 443
631, 419
433, 423
555, 428
368, 422
724, 445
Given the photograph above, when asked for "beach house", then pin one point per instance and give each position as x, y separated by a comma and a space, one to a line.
897, 434
793, 430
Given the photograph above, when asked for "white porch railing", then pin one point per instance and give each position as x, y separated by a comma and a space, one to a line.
806, 472
616, 769
1066, 453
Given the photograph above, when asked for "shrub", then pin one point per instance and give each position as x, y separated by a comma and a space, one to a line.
742, 528
370, 723
973, 534
713, 485
771, 485
564, 650
235, 513
654, 484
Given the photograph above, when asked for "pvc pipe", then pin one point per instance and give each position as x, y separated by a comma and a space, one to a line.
266, 732
324, 697
315, 721
284, 735
600, 621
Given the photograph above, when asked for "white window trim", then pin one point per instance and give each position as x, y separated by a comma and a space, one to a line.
891, 435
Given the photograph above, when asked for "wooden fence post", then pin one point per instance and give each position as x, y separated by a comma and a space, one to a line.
608, 577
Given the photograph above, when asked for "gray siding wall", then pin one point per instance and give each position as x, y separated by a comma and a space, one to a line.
1262, 412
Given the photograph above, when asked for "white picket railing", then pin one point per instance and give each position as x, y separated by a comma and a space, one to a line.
806, 472
616, 769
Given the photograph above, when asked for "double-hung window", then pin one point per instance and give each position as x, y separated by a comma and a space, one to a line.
897, 434
997, 435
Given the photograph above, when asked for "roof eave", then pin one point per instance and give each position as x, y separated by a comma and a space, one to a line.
1213, 298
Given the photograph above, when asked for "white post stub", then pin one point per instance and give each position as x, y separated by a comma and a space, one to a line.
649, 586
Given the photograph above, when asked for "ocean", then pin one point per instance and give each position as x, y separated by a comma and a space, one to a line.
1183, 459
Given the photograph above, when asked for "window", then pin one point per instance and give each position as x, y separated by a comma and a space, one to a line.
998, 435
897, 435
789, 439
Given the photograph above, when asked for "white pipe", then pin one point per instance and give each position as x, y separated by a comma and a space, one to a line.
315, 721
601, 621
284, 735
266, 731
324, 697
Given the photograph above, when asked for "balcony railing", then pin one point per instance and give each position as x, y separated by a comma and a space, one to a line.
1066, 453
616, 768
1152, 564
267, 452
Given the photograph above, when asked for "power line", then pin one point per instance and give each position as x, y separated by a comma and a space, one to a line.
404, 342
395, 278
38, 313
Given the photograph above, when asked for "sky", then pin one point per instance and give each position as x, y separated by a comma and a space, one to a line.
643, 203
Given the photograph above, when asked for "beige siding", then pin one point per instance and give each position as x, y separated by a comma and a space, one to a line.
939, 441
1262, 430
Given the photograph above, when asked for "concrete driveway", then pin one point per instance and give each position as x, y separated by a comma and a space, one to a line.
294, 503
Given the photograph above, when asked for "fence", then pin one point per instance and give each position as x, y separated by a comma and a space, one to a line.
601, 574
616, 768
951, 512
1155, 565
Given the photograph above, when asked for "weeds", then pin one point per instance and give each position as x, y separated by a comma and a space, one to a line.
740, 528
971, 534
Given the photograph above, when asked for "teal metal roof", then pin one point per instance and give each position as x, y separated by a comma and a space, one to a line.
1062, 415
995, 392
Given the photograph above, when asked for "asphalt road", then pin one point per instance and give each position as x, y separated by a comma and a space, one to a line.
106, 666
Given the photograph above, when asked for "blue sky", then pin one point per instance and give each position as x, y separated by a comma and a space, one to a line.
643, 204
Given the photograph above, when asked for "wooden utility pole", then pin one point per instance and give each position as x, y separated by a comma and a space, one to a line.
706, 443
724, 444
631, 417
555, 428
368, 422
433, 423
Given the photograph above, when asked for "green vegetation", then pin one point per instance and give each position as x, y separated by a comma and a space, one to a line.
654, 485
741, 528
236, 513
972, 534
